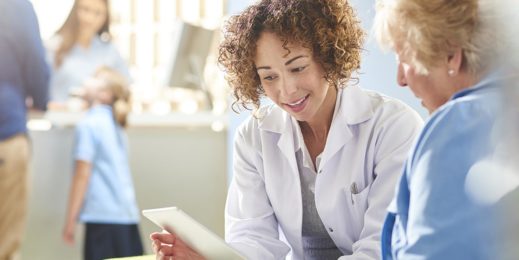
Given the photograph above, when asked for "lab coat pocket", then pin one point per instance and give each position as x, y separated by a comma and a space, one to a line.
359, 198
358, 201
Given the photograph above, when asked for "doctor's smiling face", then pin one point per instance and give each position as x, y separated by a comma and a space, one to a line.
292, 78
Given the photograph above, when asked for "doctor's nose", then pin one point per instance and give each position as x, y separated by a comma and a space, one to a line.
400, 76
288, 87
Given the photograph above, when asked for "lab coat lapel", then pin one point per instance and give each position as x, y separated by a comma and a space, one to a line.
352, 107
279, 122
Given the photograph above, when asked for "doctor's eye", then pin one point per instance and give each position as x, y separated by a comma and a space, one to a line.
299, 69
269, 78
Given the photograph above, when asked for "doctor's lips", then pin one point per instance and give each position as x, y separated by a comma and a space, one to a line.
297, 105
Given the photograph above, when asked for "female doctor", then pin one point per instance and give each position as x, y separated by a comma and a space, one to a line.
314, 172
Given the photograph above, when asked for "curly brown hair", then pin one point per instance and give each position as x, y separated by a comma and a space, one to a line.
329, 28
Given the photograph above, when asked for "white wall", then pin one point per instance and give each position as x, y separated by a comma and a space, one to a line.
378, 69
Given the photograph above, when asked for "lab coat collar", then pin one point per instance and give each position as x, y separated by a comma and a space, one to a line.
356, 106
353, 106
274, 119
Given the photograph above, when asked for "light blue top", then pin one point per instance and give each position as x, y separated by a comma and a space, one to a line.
434, 214
80, 64
110, 196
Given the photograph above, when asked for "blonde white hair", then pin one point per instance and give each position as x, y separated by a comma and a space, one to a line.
424, 31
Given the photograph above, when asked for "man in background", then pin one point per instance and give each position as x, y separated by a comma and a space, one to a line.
24, 78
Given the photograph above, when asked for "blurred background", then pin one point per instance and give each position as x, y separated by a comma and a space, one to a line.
181, 127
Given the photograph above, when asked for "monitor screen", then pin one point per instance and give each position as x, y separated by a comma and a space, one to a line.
191, 47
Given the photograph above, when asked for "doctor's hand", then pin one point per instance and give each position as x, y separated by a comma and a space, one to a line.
167, 246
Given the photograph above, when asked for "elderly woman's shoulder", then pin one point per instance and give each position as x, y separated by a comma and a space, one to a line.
476, 109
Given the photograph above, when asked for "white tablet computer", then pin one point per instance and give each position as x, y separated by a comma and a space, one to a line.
194, 234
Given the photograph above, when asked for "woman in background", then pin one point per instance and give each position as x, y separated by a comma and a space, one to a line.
102, 194
447, 201
81, 46
314, 172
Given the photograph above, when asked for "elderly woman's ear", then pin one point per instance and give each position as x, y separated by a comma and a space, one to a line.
455, 62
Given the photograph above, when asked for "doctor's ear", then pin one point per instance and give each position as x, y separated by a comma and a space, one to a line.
455, 61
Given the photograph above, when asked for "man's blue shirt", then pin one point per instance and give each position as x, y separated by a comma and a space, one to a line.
23, 69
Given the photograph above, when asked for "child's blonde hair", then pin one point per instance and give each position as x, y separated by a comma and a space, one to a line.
118, 86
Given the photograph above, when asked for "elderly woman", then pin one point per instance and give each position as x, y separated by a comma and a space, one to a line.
315, 171
445, 51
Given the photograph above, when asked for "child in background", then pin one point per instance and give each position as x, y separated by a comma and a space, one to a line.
102, 194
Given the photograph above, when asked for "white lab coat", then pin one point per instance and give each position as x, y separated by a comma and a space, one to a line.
369, 139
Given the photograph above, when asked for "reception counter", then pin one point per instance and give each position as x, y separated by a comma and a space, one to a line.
176, 160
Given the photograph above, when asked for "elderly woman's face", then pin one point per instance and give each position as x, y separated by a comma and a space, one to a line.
294, 81
431, 89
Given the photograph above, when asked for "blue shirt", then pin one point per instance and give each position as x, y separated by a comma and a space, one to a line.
434, 215
23, 70
110, 196
80, 64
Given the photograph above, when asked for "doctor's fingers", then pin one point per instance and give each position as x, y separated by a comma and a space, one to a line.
183, 254
161, 249
164, 252
155, 245
165, 257
164, 238
182, 251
